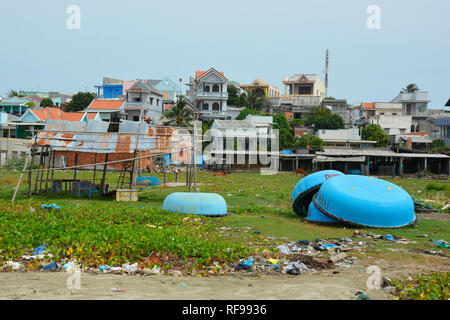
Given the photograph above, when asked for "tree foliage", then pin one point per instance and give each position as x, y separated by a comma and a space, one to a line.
410, 88
47, 103
234, 98
375, 133
80, 101
302, 142
179, 115
14, 93
322, 118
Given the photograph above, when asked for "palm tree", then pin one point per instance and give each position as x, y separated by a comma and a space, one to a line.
14, 93
410, 88
179, 115
255, 101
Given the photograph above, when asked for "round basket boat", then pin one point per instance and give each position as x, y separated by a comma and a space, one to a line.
206, 204
316, 216
307, 187
365, 202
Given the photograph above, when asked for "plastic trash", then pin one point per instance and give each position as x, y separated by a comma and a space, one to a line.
51, 206
273, 261
50, 266
32, 209
71, 266
284, 249
40, 250
248, 262
389, 237
245, 265
116, 289
303, 243
362, 296
295, 268
184, 285
441, 244
130, 268
104, 268
116, 269
16, 266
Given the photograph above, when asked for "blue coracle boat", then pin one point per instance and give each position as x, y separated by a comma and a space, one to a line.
307, 187
148, 181
314, 215
365, 202
207, 204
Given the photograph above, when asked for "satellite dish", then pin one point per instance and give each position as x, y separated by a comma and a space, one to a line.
328, 107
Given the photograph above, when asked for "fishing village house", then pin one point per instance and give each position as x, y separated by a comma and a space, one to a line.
208, 92
301, 93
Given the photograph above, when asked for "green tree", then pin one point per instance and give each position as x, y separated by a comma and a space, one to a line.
286, 136
256, 102
14, 93
302, 142
31, 104
322, 118
180, 115
80, 101
410, 88
375, 133
234, 98
47, 103
245, 112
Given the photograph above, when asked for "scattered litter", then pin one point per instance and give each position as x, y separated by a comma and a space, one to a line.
175, 273
116, 269
338, 257
32, 209
51, 206
71, 266
104, 268
303, 243
130, 268
184, 285
273, 261
257, 232
40, 250
295, 268
441, 244
284, 249
390, 237
262, 217
446, 207
245, 265
154, 270
50, 266
116, 289
16, 266
362, 296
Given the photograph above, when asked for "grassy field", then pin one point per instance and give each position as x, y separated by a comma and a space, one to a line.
102, 231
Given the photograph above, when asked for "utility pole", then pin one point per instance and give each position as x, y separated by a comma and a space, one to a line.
326, 74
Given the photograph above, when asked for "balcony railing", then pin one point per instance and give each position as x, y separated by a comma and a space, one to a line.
212, 95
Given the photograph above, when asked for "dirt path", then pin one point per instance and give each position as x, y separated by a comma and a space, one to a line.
320, 285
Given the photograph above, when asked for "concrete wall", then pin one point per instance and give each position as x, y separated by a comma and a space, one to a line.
393, 124
340, 134
12, 148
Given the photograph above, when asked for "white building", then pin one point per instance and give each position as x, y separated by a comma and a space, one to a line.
208, 92
393, 125
143, 96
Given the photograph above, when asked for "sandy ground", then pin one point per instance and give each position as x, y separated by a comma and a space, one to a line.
320, 285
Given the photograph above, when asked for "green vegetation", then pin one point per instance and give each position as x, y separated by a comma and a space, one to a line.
375, 133
47, 103
80, 101
234, 99
180, 115
313, 141
410, 88
322, 118
424, 287
439, 145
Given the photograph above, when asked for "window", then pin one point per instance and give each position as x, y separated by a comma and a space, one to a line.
135, 118
215, 88
382, 113
394, 114
206, 88
151, 100
157, 101
215, 106
402, 130
205, 106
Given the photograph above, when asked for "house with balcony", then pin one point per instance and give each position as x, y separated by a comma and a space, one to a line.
301, 93
208, 93
143, 96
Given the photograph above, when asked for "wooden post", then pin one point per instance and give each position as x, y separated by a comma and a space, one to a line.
38, 172
133, 172
102, 184
48, 171
20, 178
95, 167
53, 170
165, 173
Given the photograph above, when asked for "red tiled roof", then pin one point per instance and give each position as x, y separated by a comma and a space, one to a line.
423, 134
167, 106
106, 104
57, 114
198, 74
369, 105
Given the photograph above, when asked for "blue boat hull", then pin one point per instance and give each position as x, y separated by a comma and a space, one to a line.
148, 181
314, 215
365, 202
307, 187
207, 204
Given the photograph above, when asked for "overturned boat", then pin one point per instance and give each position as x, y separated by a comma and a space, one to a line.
207, 204
307, 187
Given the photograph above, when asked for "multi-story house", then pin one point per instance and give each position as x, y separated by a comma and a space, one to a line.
208, 93
301, 93
339, 107
169, 89
414, 104
262, 88
143, 96
388, 115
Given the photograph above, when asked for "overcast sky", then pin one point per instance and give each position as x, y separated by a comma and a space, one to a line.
246, 39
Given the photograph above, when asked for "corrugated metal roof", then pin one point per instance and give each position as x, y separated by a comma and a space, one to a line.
377, 153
